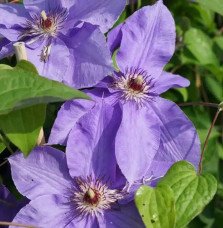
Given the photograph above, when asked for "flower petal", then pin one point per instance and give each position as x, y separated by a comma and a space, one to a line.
124, 216
12, 15
9, 206
90, 146
6, 48
67, 117
137, 141
50, 211
167, 81
179, 139
90, 57
148, 40
39, 5
56, 66
98, 12
115, 38
43, 172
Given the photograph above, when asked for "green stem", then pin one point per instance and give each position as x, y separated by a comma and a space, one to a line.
207, 138
207, 104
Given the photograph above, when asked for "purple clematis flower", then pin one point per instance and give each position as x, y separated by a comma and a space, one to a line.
81, 194
9, 206
63, 38
153, 132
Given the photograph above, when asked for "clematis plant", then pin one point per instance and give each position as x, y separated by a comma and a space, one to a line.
83, 195
62, 37
151, 128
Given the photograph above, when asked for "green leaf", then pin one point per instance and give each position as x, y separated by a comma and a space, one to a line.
192, 192
200, 45
114, 60
183, 92
26, 66
215, 5
22, 126
214, 87
5, 67
2, 145
19, 89
156, 206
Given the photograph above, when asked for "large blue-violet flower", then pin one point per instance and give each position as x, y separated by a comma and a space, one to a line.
151, 129
62, 37
83, 194
9, 206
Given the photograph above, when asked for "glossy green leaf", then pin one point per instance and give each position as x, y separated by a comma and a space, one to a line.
19, 89
22, 126
5, 67
156, 206
200, 45
192, 192
215, 5
26, 66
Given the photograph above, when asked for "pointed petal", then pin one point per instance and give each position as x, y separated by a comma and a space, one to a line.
10, 33
47, 211
39, 5
12, 18
90, 146
56, 66
125, 216
43, 172
115, 37
67, 117
98, 12
6, 48
137, 141
12, 15
9, 206
167, 81
90, 57
148, 40
179, 139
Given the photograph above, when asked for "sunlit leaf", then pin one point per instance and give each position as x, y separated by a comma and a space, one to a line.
156, 206
192, 192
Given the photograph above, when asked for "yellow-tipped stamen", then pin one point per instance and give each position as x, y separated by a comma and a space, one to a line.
139, 80
90, 193
43, 15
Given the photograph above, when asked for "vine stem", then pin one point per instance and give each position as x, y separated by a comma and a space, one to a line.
3, 163
207, 104
15, 224
207, 138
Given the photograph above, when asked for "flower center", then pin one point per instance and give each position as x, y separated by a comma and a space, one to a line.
134, 85
92, 197
48, 24
44, 27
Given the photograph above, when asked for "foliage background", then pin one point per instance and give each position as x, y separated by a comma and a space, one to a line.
198, 57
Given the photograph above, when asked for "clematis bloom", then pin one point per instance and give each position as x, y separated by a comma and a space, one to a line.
63, 194
62, 37
152, 130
